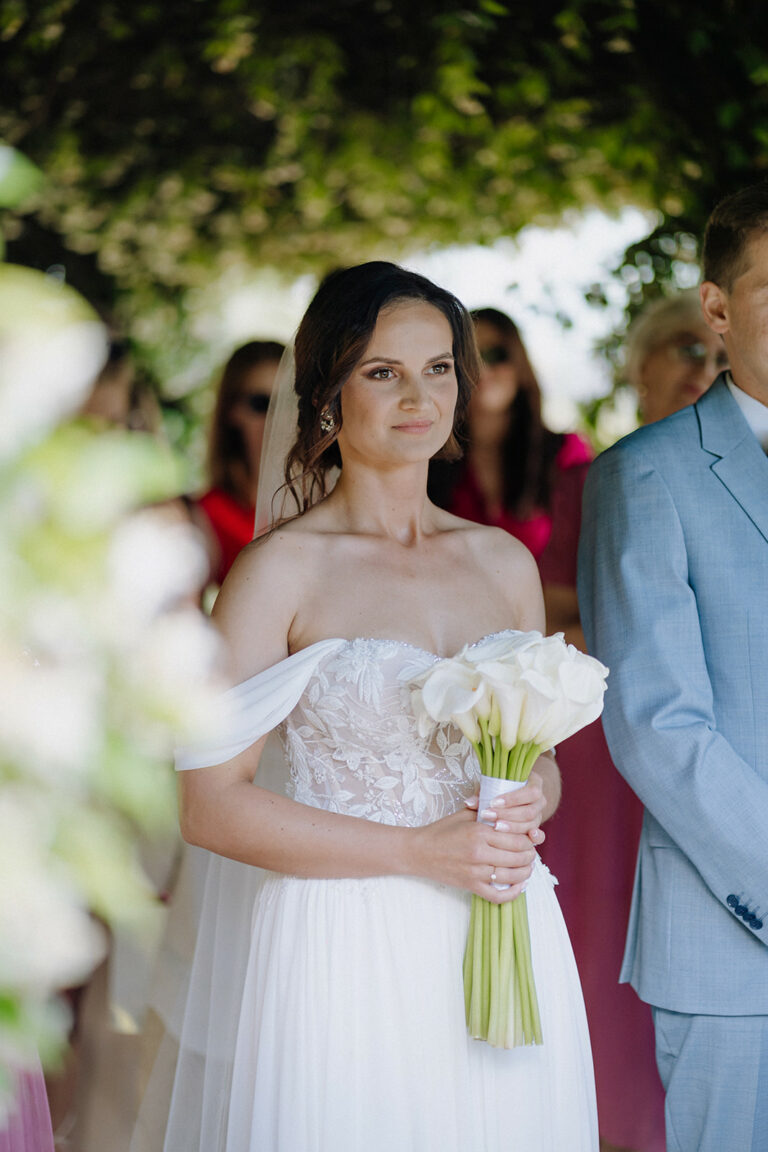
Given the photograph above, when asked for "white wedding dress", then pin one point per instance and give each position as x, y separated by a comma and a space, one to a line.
328, 1015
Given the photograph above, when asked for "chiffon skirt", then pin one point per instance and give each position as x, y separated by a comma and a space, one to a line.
352, 1036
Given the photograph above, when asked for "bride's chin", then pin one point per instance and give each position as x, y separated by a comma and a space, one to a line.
404, 451
422, 446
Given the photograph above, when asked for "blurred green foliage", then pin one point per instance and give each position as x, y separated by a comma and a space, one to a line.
184, 136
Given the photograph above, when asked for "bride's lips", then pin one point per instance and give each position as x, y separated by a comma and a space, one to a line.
414, 427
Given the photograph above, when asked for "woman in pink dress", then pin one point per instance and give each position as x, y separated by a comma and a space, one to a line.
520, 476
27, 1128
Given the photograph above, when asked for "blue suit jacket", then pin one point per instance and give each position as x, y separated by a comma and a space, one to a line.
673, 588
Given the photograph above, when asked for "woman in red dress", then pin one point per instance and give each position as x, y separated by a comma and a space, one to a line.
519, 475
234, 452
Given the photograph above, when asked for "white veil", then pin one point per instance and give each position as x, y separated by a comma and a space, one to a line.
279, 434
273, 499
197, 990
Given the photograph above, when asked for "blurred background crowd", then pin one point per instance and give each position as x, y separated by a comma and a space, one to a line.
167, 206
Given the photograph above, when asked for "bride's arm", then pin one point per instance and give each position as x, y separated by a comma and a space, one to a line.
223, 811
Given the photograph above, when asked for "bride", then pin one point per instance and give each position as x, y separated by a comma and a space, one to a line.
349, 1033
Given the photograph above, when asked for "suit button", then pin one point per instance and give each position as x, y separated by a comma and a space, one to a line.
731, 901
756, 924
741, 910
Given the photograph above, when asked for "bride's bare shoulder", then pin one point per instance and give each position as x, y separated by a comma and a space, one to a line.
509, 568
281, 558
490, 545
259, 599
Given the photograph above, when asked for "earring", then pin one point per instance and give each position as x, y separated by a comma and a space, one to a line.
327, 422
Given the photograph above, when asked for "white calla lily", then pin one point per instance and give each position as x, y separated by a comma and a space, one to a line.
450, 689
513, 694
508, 695
467, 723
504, 646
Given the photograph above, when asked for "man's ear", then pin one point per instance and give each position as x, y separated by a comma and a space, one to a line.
714, 305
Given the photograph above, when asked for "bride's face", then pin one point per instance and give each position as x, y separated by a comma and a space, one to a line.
397, 406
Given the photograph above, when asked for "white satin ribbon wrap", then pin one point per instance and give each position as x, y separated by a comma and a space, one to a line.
490, 788
256, 706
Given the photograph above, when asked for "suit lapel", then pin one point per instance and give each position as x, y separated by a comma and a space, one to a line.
740, 463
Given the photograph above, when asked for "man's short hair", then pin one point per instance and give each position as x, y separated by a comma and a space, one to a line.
733, 223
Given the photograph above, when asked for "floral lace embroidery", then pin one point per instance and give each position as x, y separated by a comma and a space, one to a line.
353, 747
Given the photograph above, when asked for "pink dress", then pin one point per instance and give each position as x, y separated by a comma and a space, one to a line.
591, 846
28, 1128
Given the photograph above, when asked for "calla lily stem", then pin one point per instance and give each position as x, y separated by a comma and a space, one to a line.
499, 987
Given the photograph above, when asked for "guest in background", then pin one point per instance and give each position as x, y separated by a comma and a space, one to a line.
516, 473
519, 475
234, 451
120, 398
672, 357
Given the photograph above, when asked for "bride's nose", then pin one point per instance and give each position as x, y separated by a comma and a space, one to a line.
414, 392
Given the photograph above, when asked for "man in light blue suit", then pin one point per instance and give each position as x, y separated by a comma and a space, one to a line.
673, 587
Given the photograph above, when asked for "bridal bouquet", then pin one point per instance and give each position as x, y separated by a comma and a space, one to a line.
514, 696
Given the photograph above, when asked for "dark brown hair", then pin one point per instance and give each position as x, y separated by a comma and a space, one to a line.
529, 449
733, 223
228, 464
336, 329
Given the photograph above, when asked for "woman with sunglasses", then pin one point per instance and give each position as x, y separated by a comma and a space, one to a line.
234, 451
516, 473
672, 357
519, 475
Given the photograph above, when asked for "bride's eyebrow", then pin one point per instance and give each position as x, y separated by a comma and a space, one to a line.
390, 360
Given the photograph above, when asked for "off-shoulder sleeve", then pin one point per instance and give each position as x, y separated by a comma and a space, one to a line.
255, 707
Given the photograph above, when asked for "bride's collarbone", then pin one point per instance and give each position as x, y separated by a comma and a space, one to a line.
432, 598
428, 620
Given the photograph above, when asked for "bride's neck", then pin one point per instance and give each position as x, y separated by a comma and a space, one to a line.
393, 505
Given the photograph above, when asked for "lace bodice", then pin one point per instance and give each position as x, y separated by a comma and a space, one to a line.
352, 743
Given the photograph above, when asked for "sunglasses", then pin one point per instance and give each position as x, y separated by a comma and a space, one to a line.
698, 354
497, 354
256, 402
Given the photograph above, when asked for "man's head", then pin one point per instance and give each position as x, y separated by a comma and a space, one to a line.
737, 219
734, 292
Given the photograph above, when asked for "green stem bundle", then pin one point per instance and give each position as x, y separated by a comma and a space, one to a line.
499, 986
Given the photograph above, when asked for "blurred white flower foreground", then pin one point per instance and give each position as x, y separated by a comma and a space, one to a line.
105, 662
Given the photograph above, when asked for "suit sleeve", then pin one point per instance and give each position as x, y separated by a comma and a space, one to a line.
640, 617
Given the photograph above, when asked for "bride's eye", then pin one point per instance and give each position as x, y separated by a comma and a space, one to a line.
381, 374
440, 369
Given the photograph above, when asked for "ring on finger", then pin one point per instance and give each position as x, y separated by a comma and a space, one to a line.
493, 876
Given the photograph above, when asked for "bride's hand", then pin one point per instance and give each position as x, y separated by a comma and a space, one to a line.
460, 851
521, 809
